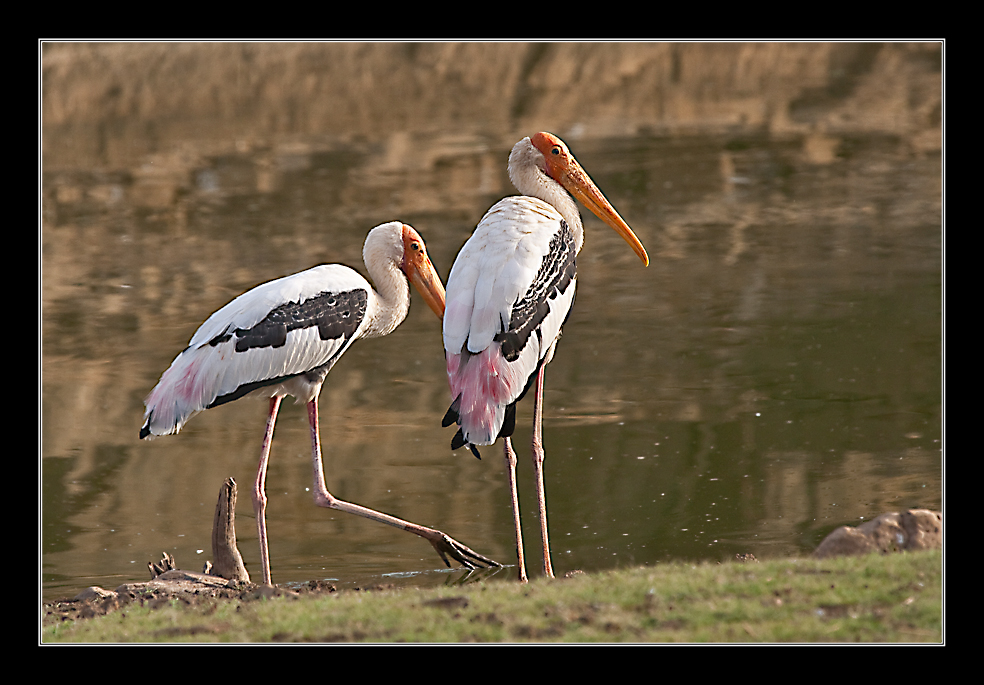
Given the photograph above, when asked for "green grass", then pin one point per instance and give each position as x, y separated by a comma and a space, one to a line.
892, 598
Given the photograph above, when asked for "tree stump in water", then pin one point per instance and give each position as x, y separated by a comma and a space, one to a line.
227, 561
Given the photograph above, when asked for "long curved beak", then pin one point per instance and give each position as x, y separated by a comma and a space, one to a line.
580, 185
428, 284
419, 270
563, 168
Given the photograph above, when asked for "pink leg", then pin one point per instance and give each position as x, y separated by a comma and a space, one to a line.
510, 455
537, 449
444, 545
259, 490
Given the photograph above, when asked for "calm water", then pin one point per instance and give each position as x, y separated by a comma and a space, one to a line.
774, 373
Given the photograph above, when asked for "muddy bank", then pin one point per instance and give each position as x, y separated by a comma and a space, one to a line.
114, 102
895, 532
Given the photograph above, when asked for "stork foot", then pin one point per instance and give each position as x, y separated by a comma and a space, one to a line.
449, 547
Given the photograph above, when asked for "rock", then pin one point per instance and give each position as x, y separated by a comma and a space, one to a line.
93, 592
910, 530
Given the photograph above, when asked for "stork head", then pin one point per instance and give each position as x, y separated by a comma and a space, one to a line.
559, 164
419, 270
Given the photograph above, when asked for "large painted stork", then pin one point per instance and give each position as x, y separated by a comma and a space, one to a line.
509, 292
282, 338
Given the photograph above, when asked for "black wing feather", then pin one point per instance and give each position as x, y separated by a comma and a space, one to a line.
558, 270
336, 315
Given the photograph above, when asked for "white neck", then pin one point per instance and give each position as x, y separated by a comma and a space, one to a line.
383, 255
526, 171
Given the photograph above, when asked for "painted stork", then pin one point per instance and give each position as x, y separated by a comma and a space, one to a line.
509, 292
282, 338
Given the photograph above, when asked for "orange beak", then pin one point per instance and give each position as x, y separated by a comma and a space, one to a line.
419, 270
563, 168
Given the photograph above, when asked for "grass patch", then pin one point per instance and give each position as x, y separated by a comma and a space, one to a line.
891, 598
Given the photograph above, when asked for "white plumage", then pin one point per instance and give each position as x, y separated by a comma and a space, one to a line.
494, 270
508, 295
282, 338
205, 374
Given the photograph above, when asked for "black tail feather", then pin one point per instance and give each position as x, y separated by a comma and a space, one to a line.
452, 415
459, 441
508, 422
145, 430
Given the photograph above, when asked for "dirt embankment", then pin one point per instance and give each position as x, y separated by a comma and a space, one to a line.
101, 100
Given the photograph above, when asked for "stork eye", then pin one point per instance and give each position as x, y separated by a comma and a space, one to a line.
415, 247
555, 150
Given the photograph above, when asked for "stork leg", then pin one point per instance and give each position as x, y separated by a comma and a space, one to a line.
537, 450
259, 489
444, 545
510, 455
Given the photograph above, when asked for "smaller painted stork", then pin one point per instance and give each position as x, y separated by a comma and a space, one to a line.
509, 293
282, 338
